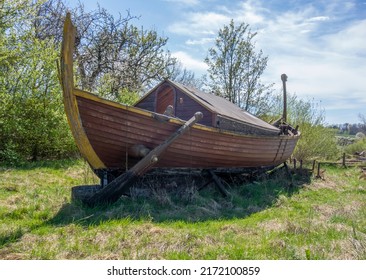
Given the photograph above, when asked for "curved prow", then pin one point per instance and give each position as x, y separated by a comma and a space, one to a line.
70, 102
67, 51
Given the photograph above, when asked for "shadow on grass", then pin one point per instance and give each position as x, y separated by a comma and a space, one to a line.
13, 237
10, 237
52, 164
186, 203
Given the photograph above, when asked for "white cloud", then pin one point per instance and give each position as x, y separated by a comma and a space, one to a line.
196, 24
250, 12
202, 41
349, 41
323, 55
185, 2
189, 62
320, 18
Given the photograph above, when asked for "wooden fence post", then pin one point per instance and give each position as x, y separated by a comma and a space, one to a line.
318, 173
344, 160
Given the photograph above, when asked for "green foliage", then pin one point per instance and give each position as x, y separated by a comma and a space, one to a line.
344, 141
127, 97
299, 110
10, 155
121, 95
357, 147
114, 58
10, 17
235, 68
32, 120
360, 135
316, 142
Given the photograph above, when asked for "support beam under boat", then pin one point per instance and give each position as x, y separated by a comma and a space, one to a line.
112, 192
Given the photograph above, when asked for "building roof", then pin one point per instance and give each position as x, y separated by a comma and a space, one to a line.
223, 107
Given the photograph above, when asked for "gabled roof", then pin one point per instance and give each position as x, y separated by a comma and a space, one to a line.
218, 105
223, 107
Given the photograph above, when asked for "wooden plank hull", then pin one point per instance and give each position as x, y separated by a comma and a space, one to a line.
105, 131
112, 129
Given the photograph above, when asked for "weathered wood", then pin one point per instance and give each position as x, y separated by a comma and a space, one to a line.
284, 80
121, 184
313, 166
138, 151
205, 184
82, 193
70, 104
110, 135
218, 183
288, 173
320, 173
105, 130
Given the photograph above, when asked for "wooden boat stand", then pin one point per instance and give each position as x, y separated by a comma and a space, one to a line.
213, 178
113, 190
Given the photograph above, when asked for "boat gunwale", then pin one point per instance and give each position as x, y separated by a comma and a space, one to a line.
72, 96
96, 98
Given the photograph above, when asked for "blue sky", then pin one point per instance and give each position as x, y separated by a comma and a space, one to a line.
320, 44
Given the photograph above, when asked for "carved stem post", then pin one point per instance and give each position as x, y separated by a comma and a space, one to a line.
284, 80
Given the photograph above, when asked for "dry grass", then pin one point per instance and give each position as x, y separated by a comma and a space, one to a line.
317, 219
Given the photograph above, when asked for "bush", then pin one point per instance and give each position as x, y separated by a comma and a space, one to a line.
9, 154
357, 147
345, 141
316, 142
360, 135
33, 124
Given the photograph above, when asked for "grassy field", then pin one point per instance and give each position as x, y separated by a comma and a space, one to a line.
263, 219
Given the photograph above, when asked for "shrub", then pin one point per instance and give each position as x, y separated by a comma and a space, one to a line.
9, 154
360, 135
317, 142
357, 147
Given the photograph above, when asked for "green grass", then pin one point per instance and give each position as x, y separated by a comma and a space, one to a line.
264, 219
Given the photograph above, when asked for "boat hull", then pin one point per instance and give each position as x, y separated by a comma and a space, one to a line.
113, 129
105, 132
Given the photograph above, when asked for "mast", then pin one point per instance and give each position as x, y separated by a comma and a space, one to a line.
284, 114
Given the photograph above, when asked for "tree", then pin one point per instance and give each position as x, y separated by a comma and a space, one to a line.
363, 121
112, 55
235, 68
176, 72
317, 141
299, 110
9, 16
32, 121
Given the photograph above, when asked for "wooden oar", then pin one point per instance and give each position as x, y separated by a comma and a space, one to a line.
112, 192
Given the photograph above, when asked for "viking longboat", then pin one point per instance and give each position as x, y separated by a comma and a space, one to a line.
113, 136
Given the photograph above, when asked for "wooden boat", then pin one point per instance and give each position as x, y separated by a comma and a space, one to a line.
113, 137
